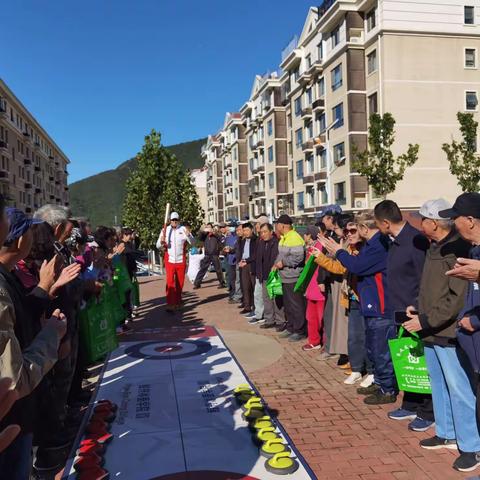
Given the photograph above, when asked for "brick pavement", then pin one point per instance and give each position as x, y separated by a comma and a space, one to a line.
340, 436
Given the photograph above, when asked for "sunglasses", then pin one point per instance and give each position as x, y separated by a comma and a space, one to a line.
350, 230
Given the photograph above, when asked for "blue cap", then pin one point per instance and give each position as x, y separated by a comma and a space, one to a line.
19, 223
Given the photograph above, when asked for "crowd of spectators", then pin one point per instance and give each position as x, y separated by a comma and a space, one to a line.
50, 266
376, 273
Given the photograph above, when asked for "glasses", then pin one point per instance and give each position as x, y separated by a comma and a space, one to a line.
350, 231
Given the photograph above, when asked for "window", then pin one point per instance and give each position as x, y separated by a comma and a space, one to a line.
310, 164
322, 193
271, 180
252, 167
322, 123
471, 101
309, 130
300, 202
308, 96
310, 197
296, 73
270, 154
371, 20
235, 174
321, 87
372, 62
468, 15
300, 169
299, 137
340, 193
308, 60
372, 103
320, 51
470, 58
322, 159
236, 194
269, 128
337, 77
335, 37
337, 114
298, 106
339, 153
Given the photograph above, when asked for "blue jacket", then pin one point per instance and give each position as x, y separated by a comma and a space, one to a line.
470, 341
231, 241
370, 267
406, 257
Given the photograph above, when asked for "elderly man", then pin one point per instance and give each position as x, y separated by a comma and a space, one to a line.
212, 246
466, 214
439, 302
257, 293
289, 263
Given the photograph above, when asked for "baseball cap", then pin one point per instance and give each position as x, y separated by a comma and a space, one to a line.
262, 219
329, 210
174, 216
19, 223
285, 219
466, 205
431, 208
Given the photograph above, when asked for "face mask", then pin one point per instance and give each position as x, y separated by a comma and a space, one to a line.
232, 229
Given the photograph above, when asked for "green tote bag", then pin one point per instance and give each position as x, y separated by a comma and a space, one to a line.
306, 275
274, 285
409, 363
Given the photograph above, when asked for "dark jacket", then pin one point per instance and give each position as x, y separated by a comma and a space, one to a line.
267, 253
470, 341
441, 297
212, 244
370, 267
231, 241
253, 253
406, 257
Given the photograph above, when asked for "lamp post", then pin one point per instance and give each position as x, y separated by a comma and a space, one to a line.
329, 161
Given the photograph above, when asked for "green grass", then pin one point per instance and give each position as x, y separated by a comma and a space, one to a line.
100, 197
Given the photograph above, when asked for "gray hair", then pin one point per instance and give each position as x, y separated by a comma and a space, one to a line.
54, 215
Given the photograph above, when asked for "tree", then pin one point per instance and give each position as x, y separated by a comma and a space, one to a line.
382, 170
462, 156
158, 179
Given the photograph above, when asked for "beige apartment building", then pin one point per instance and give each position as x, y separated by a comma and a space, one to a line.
33, 169
416, 60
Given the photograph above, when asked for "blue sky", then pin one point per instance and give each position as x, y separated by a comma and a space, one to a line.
99, 74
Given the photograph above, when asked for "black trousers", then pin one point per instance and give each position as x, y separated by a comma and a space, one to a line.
231, 279
247, 280
295, 306
420, 403
204, 264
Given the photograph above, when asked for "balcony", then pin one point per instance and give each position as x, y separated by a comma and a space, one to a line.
307, 112
258, 193
36, 144
28, 186
291, 55
3, 109
324, 7
319, 104
51, 178
51, 157
316, 67
228, 182
3, 146
52, 197
307, 146
38, 168
259, 145
305, 78
229, 202
38, 190
26, 136
308, 179
320, 140
27, 161
4, 176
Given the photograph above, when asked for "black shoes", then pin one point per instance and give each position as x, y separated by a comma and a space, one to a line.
373, 388
380, 398
267, 325
435, 443
467, 462
244, 311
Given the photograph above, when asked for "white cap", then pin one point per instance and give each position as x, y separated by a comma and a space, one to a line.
431, 208
174, 216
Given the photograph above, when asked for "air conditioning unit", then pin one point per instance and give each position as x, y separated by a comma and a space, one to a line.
361, 203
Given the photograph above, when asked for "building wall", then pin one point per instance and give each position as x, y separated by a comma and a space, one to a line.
33, 169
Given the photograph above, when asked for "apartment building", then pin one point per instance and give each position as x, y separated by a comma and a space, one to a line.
33, 169
416, 60
213, 162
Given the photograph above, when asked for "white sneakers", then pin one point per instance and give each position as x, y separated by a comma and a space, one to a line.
367, 381
353, 378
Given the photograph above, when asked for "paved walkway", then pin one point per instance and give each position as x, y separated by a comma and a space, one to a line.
340, 436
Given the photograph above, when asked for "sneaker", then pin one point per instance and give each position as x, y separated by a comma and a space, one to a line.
253, 321
373, 388
267, 325
308, 347
260, 322
467, 462
285, 334
401, 414
250, 315
420, 425
296, 337
435, 443
380, 398
367, 381
353, 378
244, 311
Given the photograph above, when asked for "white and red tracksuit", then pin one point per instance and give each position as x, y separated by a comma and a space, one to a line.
175, 260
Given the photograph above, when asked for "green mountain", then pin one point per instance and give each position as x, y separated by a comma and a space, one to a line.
100, 197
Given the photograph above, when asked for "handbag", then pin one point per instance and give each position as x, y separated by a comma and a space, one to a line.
274, 284
306, 275
409, 363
